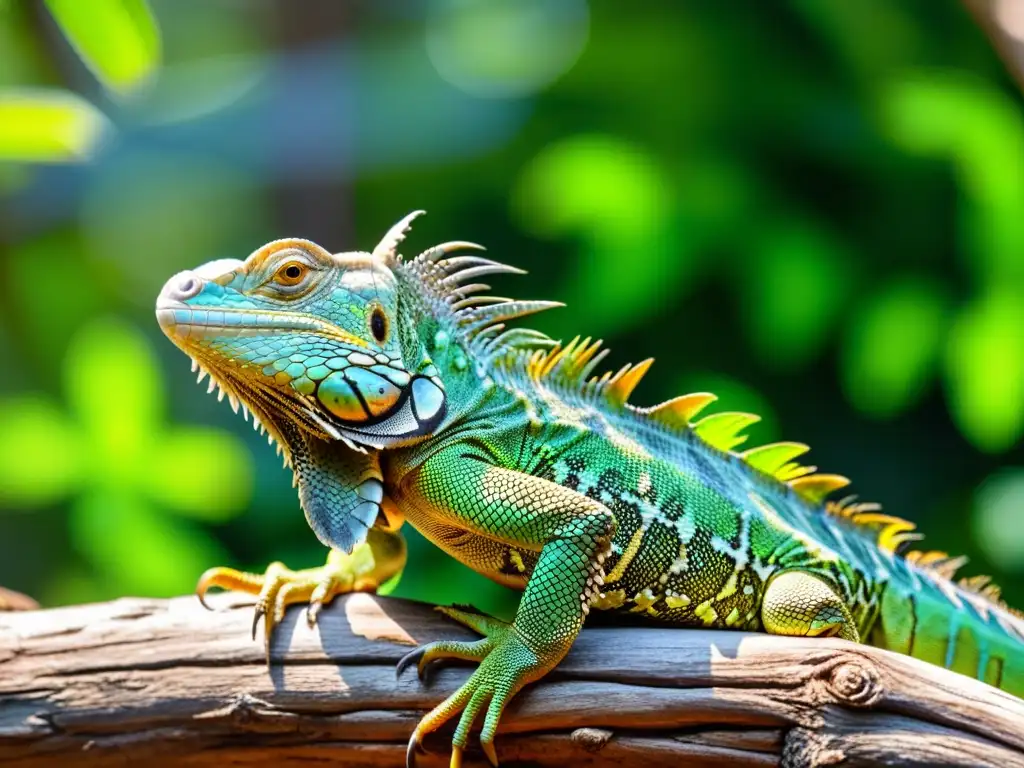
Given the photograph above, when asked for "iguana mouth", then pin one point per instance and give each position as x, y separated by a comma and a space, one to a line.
339, 405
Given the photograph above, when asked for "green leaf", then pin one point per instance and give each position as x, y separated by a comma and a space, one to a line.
117, 39
984, 361
980, 129
114, 387
136, 548
202, 472
40, 453
794, 289
614, 195
44, 126
892, 346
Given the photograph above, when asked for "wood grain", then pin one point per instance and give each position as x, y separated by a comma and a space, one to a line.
151, 682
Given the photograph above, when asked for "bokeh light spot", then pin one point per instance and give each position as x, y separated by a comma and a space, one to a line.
892, 346
505, 48
999, 518
985, 370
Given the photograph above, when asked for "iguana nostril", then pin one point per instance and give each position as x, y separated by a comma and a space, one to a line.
188, 286
182, 287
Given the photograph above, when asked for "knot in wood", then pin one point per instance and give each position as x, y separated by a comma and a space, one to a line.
854, 684
591, 739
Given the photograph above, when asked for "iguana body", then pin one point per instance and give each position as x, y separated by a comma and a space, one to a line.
397, 394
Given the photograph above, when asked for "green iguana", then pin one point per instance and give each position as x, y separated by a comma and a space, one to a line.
397, 393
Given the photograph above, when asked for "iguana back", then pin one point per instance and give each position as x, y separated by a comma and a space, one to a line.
703, 526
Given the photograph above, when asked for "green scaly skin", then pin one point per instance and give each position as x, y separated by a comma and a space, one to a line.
396, 394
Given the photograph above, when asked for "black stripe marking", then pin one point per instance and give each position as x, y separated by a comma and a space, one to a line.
913, 625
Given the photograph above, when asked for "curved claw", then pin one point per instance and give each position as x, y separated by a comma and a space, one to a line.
412, 749
226, 578
201, 594
489, 752
257, 615
412, 657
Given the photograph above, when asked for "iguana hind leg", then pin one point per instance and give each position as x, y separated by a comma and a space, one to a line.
803, 604
372, 563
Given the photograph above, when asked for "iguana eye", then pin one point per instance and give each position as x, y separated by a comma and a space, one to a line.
291, 273
379, 325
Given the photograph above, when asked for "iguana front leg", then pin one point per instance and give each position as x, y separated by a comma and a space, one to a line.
342, 494
573, 534
371, 563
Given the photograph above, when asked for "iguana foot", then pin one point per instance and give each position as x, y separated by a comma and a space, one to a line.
506, 665
369, 566
803, 604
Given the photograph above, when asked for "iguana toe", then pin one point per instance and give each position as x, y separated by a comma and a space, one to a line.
279, 586
506, 665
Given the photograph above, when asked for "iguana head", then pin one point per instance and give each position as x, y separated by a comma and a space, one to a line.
359, 347
325, 342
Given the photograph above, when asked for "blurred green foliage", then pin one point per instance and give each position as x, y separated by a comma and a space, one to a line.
117, 39
812, 209
127, 477
47, 126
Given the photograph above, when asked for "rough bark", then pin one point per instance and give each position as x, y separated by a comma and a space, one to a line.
149, 682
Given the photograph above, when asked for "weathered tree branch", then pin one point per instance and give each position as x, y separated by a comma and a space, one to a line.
148, 682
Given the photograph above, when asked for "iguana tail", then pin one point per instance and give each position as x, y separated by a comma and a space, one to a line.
962, 626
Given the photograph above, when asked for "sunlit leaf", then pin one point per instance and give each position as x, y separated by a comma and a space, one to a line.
204, 473
997, 518
892, 345
136, 548
41, 126
40, 453
980, 129
590, 181
115, 389
984, 361
926, 111
117, 39
795, 286
614, 196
